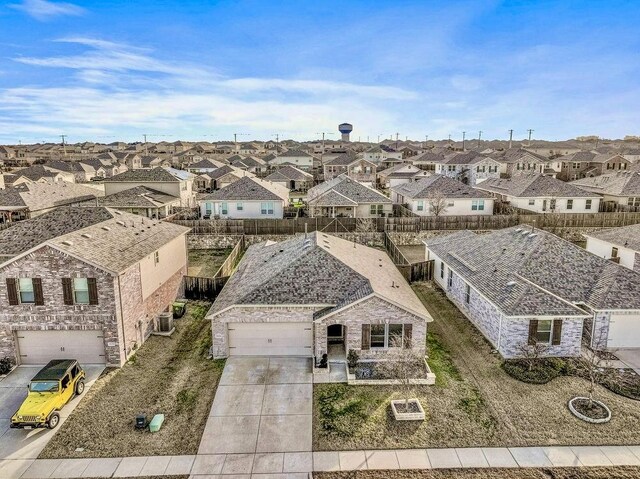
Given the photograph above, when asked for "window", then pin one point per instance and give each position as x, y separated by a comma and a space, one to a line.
569, 204
156, 257
420, 206
266, 208
614, 252
26, 291
633, 201
80, 291
442, 269
552, 204
450, 203
543, 332
387, 335
207, 209
610, 166
239, 206
467, 293
450, 278
224, 209
65, 381
587, 205
532, 202
376, 209
477, 205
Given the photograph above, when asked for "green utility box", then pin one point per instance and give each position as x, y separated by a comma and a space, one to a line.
179, 309
156, 423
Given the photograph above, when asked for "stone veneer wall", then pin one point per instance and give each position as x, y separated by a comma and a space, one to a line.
52, 265
371, 311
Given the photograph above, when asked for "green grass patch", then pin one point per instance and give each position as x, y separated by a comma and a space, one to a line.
339, 410
440, 361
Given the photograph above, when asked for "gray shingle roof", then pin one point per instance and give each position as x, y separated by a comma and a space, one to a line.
245, 189
297, 153
137, 197
525, 274
141, 175
442, 185
625, 236
535, 185
620, 183
289, 172
349, 188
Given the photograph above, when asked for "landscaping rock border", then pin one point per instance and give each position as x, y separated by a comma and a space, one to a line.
579, 415
407, 416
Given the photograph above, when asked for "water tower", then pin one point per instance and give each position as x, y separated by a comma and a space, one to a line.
345, 129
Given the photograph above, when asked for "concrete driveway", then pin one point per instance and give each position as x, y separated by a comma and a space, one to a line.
25, 444
630, 357
263, 405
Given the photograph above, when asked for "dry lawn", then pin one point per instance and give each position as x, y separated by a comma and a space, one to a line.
167, 375
474, 402
206, 262
556, 473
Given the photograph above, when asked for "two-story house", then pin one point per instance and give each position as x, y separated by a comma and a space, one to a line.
345, 197
353, 166
87, 282
177, 183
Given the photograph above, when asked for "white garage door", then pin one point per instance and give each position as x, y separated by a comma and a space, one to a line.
624, 331
40, 347
270, 339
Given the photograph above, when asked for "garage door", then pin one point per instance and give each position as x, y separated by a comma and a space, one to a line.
270, 339
624, 331
40, 347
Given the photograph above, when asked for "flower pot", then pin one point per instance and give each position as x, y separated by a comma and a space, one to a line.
573, 407
416, 412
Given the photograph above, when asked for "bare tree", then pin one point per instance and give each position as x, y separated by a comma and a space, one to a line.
403, 364
366, 225
437, 203
595, 362
531, 353
217, 227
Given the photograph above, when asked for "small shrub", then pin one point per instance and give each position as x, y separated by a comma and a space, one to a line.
6, 364
539, 372
352, 358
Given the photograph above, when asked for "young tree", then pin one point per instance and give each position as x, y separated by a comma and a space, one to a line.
531, 353
437, 203
366, 225
403, 364
217, 227
595, 361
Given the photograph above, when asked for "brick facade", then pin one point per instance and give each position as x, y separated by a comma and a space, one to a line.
506, 334
51, 265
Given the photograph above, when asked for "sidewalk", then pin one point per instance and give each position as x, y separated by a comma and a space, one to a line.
297, 465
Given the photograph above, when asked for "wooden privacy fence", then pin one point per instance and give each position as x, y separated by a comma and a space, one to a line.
422, 271
409, 224
197, 287
394, 252
232, 260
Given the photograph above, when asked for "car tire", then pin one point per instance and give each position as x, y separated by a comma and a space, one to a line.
79, 387
54, 420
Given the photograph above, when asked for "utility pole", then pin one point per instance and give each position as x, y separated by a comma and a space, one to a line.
322, 154
464, 133
479, 137
530, 131
235, 139
510, 137
64, 146
145, 145
449, 139
379, 137
397, 141
426, 139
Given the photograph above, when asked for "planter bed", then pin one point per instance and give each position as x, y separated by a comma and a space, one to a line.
415, 412
598, 413
353, 379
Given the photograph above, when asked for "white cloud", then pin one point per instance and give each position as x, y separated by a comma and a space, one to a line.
43, 10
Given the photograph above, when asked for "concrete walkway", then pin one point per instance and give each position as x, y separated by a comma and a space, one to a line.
297, 465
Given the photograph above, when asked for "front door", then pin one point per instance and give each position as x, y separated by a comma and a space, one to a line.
335, 334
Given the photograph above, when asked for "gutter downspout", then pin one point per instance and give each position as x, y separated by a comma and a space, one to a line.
500, 332
124, 337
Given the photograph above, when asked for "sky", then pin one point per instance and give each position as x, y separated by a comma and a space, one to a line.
117, 70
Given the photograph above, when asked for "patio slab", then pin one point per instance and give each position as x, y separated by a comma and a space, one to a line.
443, 458
285, 399
382, 460
242, 400
352, 460
230, 435
591, 456
413, 459
284, 434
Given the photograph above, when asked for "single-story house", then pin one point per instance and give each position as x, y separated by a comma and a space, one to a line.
618, 189
542, 194
292, 178
522, 287
86, 281
246, 198
298, 158
438, 195
204, 166
294, 297
345, 197
140, 200
621, 245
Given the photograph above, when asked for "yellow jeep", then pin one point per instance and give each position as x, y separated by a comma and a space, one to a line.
49, 390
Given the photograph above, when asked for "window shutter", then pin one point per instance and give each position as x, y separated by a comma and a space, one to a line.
93, 290
366, 336
12, 292
67, 291
408, 334
37, 291
533, 329
557, 332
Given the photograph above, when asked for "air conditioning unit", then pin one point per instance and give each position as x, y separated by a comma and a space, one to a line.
164, 322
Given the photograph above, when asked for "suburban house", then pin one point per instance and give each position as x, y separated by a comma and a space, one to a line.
470, 168
219, 178
620, 245
297, 158
250, 164
140, 200
354, 167
293, 297
619, 190
427, 161
542, 194
400, 174
31, 199
345, 197
380, 153
246, 198
523, 288
173, 182
38, 173
517, 161
587, 164
86, 281
438, 195
291, 178
204, 166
